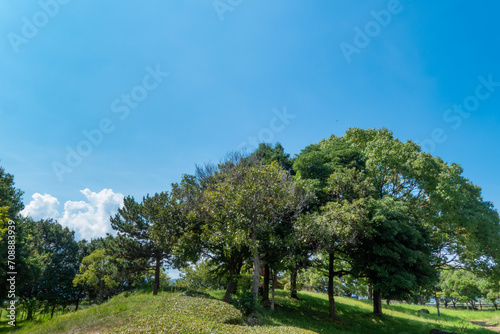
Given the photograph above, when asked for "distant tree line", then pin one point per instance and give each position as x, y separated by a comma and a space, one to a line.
359, 215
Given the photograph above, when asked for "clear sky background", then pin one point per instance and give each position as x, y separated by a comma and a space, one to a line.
284, 71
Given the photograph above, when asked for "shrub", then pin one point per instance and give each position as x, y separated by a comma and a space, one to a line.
244, 302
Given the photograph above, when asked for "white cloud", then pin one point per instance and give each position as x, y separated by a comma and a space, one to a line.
90, 218
42, 207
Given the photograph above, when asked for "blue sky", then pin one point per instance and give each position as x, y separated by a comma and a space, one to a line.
285, 70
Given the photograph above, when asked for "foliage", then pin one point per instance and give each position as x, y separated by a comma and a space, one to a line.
266, 154
243, 206
396, 258
341, 189
10, 196
461, 286
4, 219
99, 271
146, 280
438, 197
147, 233
244, 302
47, 263
364, 208
201, 276
10, 206
490, 290
318, 161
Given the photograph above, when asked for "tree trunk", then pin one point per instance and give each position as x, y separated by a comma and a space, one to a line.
100, 294
370, 292
272, 296
331, 298
77, 304
293, 283
437, 302
445, 303
156, 284
265, 288
29, 315
480, 305
236, 276
256, 266
52, 311
496, 306
377, 302
231, 287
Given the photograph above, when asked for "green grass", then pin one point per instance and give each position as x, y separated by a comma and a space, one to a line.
107, 316
356, 317
177, 313
311, 312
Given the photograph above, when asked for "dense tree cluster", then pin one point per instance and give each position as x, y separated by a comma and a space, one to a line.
362, 214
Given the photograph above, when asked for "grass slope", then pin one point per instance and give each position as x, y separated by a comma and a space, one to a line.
176, 313
311, 312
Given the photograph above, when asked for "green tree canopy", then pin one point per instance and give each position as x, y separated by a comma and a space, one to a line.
148, 232
244, 205
10, 206
99, 271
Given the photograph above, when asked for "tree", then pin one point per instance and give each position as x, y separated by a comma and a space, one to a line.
336, 230
281, 248
47, 261
61, 249
197, 242
431, 201
317, 162
465, 228
163, 211
10, 196
3, 220
265, 154
299, 256
490, 289
335, 170
447, 287
396, 256
125, 271
81, 290
462, 286
31, 264
10, 206
446, 209
343, 220
147, 232
99, 271
244, 204
201, 276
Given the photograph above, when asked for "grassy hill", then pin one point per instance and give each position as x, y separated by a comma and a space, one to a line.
178, 313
